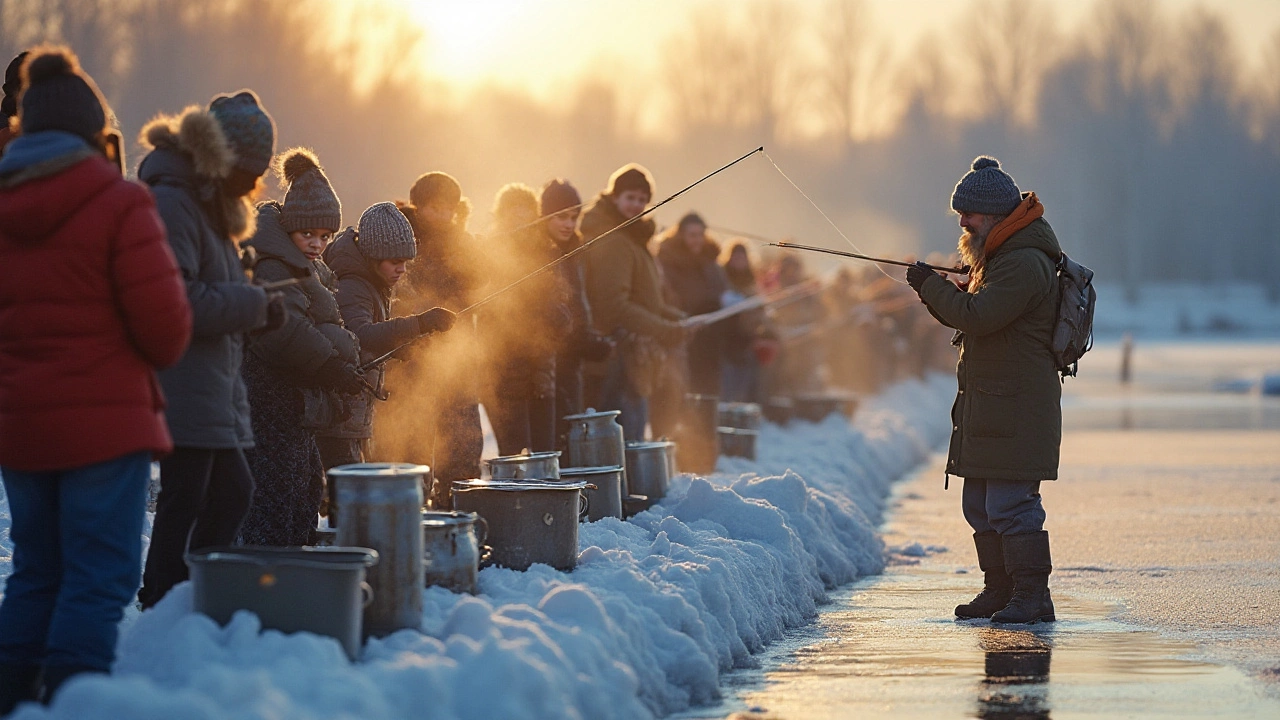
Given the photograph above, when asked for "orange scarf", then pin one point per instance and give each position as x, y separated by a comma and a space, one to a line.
1027, 212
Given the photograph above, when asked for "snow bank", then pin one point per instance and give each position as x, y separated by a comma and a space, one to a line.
657, 609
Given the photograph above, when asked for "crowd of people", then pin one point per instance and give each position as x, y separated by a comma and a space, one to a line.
249, 345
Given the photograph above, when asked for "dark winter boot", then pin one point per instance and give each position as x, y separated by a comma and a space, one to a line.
55, 676
1026, 557
18, 683
997, 587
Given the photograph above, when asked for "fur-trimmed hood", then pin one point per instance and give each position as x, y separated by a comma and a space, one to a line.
189, 150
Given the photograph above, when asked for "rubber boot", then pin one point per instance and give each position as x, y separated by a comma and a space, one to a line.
18, 683
55, 676
997, 585
1026, 557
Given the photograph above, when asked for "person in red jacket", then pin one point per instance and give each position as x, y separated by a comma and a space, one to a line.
91, 304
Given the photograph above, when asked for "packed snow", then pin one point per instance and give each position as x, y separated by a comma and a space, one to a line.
659, 607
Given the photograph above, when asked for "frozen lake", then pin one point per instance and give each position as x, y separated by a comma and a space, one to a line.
1166, 534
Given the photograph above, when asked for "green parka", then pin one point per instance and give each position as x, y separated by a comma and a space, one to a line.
1007, 417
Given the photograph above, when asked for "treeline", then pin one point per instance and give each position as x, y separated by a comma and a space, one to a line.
1154, 144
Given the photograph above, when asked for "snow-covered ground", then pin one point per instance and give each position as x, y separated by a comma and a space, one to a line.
658, 608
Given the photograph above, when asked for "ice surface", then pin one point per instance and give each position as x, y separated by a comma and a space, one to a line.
658, 608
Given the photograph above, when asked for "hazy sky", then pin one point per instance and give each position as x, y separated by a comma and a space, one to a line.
535, 44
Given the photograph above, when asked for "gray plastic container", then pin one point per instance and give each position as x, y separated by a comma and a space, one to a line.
736, 442
529, 521
649, 469
606, 498
318, 590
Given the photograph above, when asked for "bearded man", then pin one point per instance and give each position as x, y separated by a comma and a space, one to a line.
1007, 418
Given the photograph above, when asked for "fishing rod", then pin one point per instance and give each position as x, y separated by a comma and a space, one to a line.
571, 254
881, 261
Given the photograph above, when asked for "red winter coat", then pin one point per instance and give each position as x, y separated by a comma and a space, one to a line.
91, 303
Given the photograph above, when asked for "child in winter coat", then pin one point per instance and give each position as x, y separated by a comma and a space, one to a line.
91, 304
369, 262
203, 168
299, 375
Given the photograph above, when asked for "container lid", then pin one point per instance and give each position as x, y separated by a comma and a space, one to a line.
592, 413
293, 556
441, 518
521, 459
383, 470
736, 431
516, 485
650, 445
740, 407
600, 470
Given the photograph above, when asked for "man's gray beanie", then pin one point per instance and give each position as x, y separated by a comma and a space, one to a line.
986, 189
309, 203
385, 234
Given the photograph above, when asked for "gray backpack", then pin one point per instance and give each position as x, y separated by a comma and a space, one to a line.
1073, 329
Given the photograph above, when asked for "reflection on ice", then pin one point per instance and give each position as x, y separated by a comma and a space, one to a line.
1017, 674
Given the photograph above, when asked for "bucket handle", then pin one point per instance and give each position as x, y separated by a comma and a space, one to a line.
484, 532
486, 552
584, 505
366, 595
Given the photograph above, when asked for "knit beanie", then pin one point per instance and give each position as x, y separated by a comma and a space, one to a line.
12, 85
310, 202
630, 177
249, 130
558, 195
986, 189
58, 95
385, 234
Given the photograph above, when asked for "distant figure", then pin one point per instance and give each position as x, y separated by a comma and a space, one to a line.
93, 303
9, 103
1007, 419
692, 273
1126, 359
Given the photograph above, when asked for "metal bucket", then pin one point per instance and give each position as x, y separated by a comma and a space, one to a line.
317, 590
736, 442
649, 468
452, 551
529, 522
699, 445
595, 440
745, 416
606, 499
380, 506
537, 466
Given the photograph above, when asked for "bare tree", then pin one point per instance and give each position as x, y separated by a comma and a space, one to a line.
851, 68
1009, 45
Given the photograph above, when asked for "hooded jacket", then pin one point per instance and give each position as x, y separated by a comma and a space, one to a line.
1007, 417
208, 406
622, 280
312, 332
364, 301
91, 302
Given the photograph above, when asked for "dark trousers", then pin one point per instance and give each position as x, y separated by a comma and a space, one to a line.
335, 451
1009, 507
204, 497
569, 396
617, 394
77, 548
523, 423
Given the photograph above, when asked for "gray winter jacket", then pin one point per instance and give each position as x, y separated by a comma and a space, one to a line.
365, 302
208, 405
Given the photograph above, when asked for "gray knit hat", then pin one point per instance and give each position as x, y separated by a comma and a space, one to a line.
310, 202
249, 129
986, 189
385, 234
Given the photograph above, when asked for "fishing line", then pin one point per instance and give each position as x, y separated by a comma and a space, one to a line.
572, 253
824, 214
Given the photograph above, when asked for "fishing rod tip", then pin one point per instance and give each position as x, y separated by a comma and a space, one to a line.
760, 149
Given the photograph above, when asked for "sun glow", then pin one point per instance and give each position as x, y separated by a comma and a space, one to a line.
469, 41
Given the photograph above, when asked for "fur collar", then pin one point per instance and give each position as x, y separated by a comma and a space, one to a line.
196, 134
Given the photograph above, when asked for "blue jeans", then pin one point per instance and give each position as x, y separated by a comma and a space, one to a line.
616, 394
1009, 507
77, 561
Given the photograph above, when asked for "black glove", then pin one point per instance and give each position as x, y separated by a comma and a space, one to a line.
917, 274
340, 376
435, 320
596, 347
276, 313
